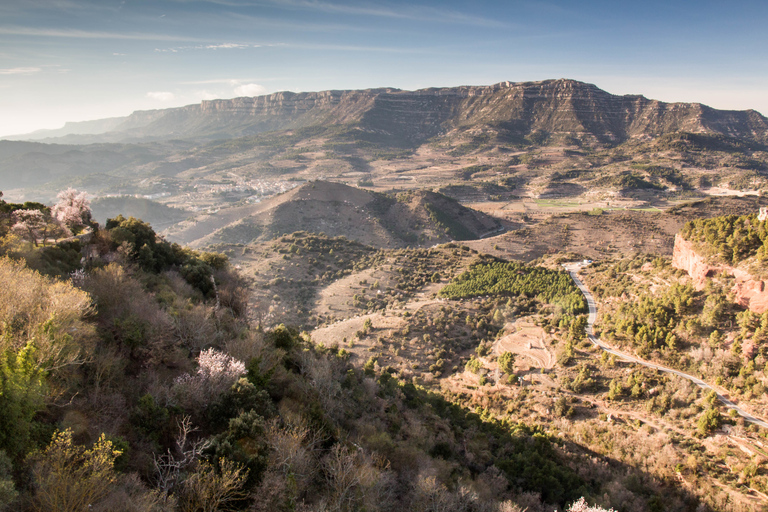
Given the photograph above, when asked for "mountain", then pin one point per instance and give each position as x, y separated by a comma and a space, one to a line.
553, 107
77, 128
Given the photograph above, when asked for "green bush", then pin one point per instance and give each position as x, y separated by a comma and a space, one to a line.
474, 365
709, 421
244, 442
515, 279
507, 363
21, 397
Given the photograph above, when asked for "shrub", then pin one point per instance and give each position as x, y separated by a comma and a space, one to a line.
242, 396
21, 397
562, 408
507, 363
216, 373
474, 365
8, 491
282, 337
73, 478
244, 443
34, 307
709, 421
209, 489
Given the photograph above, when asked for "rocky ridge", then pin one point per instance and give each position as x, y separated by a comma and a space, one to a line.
410, 117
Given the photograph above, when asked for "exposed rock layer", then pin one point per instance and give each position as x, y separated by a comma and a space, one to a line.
551, 106
749, 291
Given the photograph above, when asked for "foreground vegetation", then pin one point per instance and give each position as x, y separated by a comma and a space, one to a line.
133, 379
135, 382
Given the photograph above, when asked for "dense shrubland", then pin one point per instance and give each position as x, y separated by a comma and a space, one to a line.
514, 279
135, 382
729, 238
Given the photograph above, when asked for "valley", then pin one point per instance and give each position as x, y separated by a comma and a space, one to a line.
380, 275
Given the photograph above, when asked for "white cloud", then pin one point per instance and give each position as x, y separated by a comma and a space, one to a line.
89, 34
161, 95
250, 90
220, 46
206, 95
226, 46
19, 71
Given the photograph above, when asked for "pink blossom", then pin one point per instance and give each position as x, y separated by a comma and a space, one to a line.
582, 506
216, 373
73, 208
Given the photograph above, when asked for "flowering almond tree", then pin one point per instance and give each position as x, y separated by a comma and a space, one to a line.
73, 208
36, 226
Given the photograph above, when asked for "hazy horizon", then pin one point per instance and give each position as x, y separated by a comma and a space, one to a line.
77, 60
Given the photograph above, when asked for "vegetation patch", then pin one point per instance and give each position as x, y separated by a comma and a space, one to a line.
729, 238
513, 279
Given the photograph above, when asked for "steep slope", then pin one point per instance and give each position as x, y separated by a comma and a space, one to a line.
158, 215
727, 246
408, 117
31, 164
339, 210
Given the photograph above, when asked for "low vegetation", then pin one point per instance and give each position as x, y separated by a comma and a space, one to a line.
136, 377
515, 279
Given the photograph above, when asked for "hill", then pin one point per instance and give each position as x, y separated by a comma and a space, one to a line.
158, 215
418, 217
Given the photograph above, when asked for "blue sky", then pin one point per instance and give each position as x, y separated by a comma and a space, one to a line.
73, 60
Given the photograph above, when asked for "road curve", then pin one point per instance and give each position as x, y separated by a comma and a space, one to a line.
573, 269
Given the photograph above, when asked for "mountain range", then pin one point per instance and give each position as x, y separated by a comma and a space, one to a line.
221, 171
410, 117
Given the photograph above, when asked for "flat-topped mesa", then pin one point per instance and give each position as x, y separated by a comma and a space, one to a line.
559, 106
749, 291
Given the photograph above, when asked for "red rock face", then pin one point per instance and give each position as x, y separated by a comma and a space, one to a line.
750, 292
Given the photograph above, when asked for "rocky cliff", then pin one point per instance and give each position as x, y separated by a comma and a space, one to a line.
551, 106
749, 291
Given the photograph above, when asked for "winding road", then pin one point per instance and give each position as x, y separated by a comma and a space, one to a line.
573, 269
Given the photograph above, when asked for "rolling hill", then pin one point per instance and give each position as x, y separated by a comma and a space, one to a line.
408, 219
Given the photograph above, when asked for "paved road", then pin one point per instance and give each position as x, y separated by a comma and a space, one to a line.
573, 269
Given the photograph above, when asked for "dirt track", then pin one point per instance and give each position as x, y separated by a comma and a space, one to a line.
527, 340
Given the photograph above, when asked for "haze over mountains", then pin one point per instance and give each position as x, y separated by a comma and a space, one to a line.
409, 117
201, 172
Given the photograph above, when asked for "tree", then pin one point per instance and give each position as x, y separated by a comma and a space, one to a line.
36, 225
507, 363
709, 422
73, 208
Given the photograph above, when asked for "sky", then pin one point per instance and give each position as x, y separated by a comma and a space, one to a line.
76, 60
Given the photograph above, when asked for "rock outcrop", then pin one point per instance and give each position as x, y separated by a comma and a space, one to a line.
749, 291
550, 106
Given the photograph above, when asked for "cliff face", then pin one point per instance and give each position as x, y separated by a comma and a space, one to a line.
552, 106
749, 292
